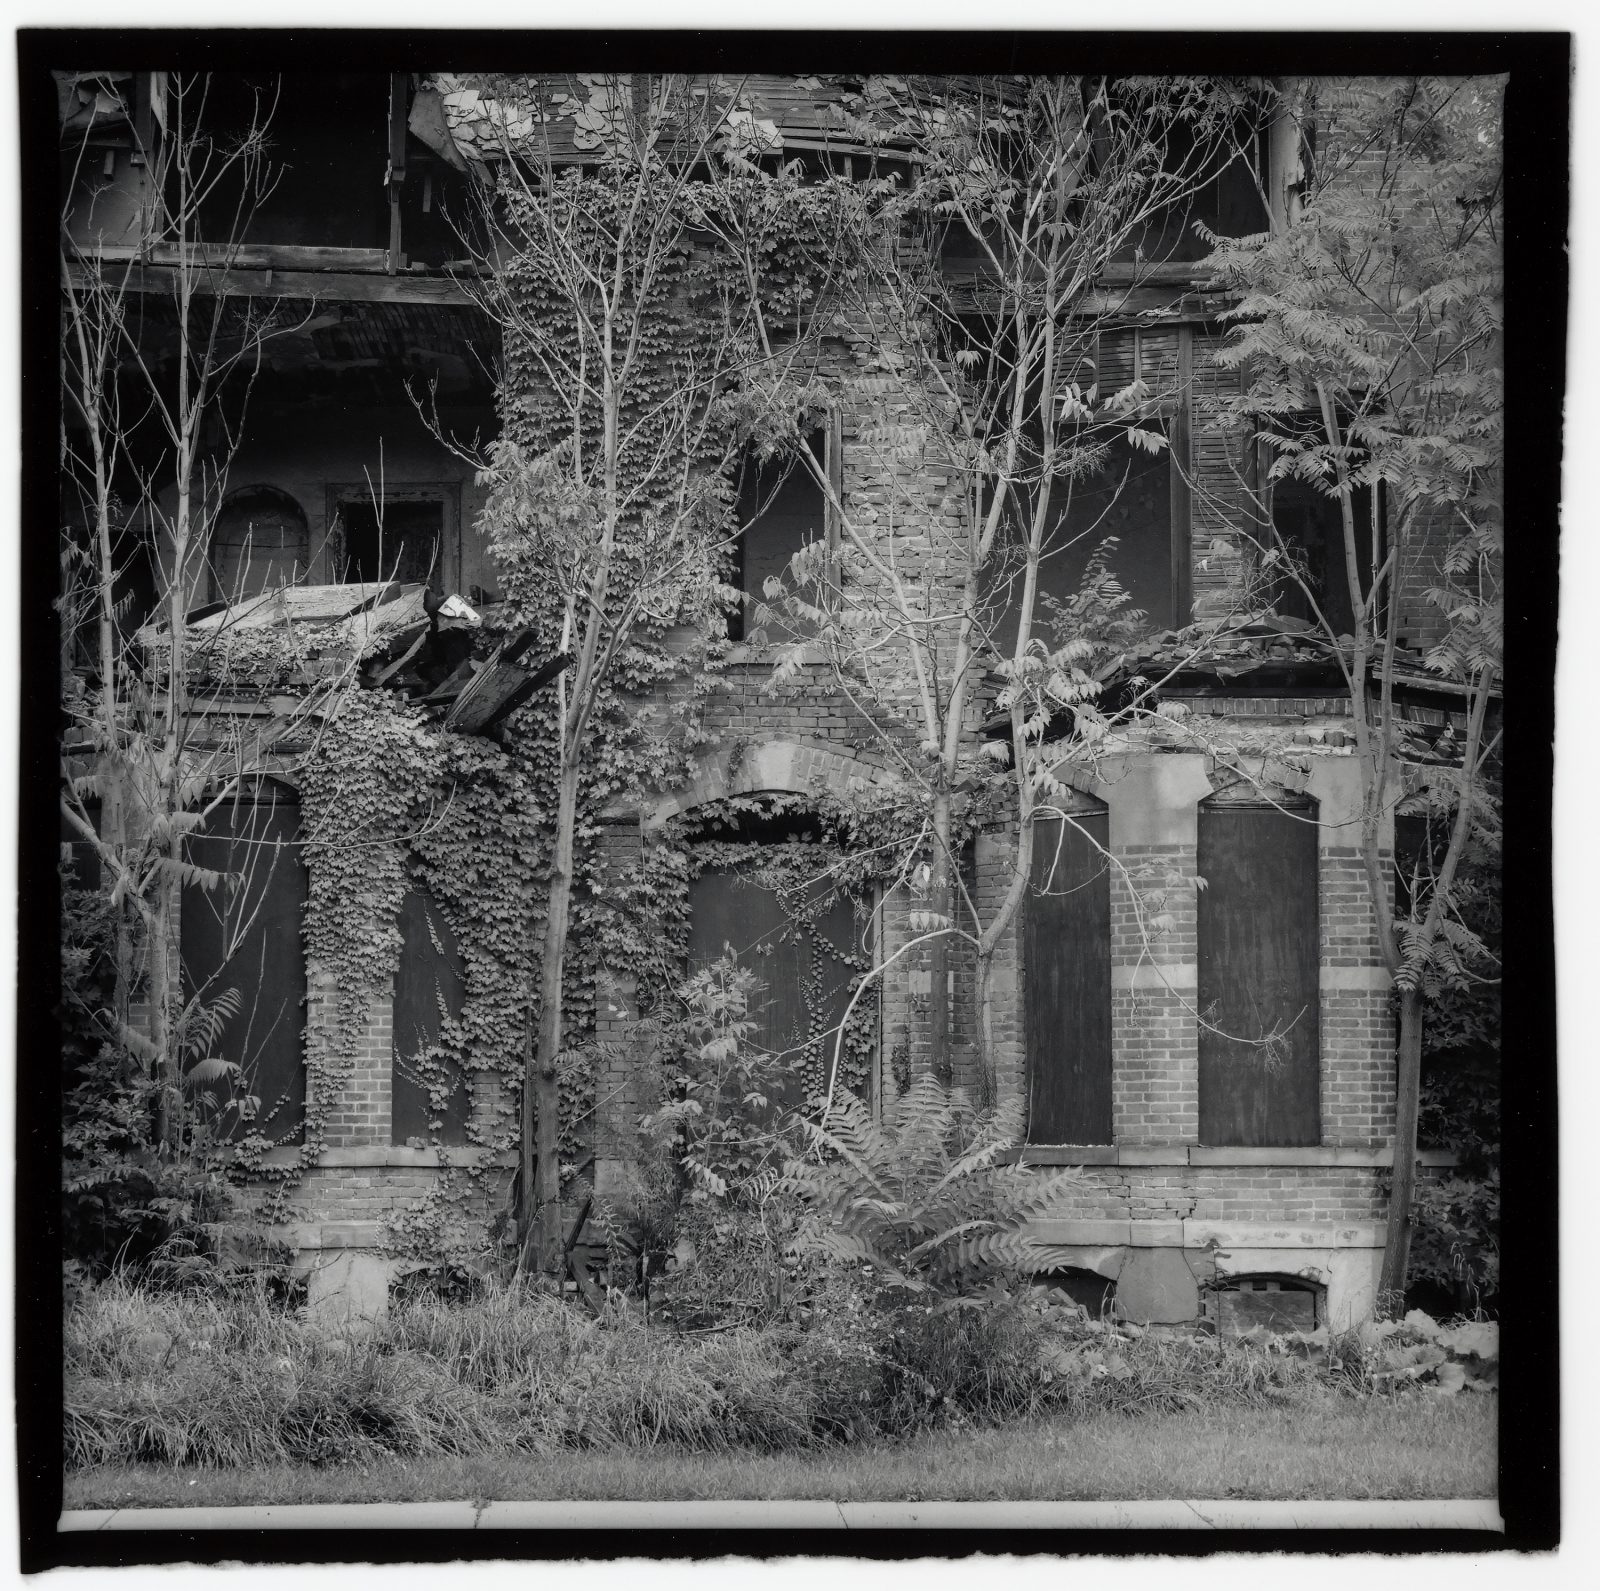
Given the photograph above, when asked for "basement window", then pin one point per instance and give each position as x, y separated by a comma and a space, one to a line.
1272, 1303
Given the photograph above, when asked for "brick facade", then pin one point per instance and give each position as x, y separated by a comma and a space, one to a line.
808, 734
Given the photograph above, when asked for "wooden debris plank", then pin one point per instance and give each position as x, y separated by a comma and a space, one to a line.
500, 687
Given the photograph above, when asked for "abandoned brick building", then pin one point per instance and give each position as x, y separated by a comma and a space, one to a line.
1209, 1185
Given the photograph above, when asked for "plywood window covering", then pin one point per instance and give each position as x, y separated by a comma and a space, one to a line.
244, 935
1258, 971
1275, 1303
1066, 948
430, 988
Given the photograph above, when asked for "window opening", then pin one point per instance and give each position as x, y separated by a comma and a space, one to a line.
396, 539
1310, 528
781, 508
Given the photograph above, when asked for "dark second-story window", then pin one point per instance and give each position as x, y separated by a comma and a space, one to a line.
1308, 528
781, 509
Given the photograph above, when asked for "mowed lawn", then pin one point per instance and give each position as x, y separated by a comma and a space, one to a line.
1323, 1446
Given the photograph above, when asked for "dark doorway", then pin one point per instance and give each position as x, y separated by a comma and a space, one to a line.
805, 980
1258, 974
1066, 949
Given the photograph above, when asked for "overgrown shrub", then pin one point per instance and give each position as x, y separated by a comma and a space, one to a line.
924, 1196
124, 1201
696, 1219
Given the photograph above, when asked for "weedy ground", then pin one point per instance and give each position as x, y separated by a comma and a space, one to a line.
1423, 1445
230, 1398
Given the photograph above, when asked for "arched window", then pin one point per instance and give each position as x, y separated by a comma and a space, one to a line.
259, 542
1258, 969
1066, 956
240, 941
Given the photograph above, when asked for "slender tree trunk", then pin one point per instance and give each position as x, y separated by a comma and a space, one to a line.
942, 902
1408, 1088
988, 1078
540, 1215
160, 1024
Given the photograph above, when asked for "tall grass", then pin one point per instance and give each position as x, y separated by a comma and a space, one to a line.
234, 1379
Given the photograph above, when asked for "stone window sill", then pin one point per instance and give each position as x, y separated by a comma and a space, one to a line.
1375, 1155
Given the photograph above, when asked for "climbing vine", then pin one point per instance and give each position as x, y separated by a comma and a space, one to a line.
395, 802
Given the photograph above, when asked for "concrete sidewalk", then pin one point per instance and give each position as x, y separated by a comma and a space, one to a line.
1228, 1514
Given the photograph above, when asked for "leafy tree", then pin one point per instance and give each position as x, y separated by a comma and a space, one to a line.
927, 1199
634, 337
987, 378
1368, 323
161, 726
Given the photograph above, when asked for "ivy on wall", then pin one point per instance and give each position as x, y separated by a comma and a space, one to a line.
393, 801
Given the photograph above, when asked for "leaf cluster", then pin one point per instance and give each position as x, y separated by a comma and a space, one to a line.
925, 1197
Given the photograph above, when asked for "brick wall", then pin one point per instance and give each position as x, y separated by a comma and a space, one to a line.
359, 1113
1311, 1195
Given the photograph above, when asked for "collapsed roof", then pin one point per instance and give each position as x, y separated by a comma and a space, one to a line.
404, 637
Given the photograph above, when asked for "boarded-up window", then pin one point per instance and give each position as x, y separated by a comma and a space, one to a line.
244, 936
805, 983
1258, 972
1066, 948
429, 1101
1270, 1303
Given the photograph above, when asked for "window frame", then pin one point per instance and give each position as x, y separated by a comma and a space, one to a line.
447, 572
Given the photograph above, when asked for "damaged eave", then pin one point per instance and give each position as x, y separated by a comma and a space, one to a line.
1263, 658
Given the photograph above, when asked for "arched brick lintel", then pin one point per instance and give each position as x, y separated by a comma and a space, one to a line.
797, 766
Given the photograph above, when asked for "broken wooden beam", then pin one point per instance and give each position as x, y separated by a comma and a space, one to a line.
501, 686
